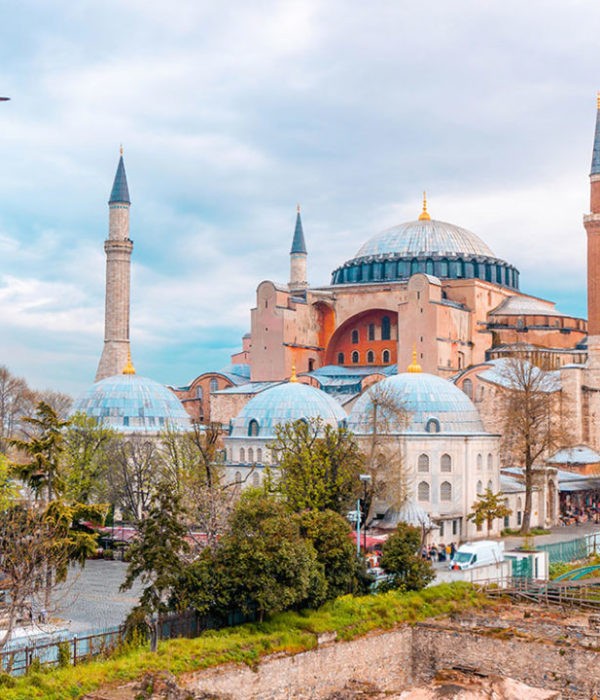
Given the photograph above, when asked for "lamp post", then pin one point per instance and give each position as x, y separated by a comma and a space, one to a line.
366, 479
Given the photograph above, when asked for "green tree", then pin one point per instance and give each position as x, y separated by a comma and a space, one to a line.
401, 561
329, 533
8, 488
43, 450
86, 459
488, 508
270, 566
158, 554
318, 465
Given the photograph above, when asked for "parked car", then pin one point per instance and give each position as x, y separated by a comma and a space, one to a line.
472, 554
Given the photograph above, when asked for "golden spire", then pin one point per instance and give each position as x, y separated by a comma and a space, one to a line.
121, 149
414, 365
598, 99
129, 368
293, 378
424, 216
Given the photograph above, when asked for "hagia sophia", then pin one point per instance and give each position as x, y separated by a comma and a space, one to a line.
424, 310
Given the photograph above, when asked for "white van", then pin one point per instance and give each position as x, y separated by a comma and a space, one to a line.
473, 554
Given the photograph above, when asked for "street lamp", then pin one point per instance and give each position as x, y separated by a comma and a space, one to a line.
366, 479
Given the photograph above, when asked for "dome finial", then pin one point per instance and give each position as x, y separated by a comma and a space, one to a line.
129, 368
598, 99
298, 205
414, 366
121, 149
293, 377
424, 216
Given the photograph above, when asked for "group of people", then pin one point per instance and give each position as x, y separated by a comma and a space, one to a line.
439, 552
578, 515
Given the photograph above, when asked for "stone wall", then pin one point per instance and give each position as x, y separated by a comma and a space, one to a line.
395, 660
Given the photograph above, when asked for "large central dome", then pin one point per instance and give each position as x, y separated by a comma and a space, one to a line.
425, 236
434, 247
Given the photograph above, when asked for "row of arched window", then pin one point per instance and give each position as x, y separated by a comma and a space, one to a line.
479, 489
355, 357
386, 331
490, 462
423, 463
237, 479
213, 386
490, 270
424, 491
250, 457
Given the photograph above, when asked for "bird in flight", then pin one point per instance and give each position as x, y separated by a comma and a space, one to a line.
4, 99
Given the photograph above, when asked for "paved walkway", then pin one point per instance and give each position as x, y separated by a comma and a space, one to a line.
558, 534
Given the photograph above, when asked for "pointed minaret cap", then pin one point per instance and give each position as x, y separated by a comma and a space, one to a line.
298, 244
414, 366
129, 368
120, 191
424, 215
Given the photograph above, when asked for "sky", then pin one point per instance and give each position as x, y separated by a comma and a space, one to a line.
231, 113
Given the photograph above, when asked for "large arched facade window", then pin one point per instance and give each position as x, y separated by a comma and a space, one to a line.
242, 454
445, 491
259, 455
370, 357
371, 331
446, 463
423, 463
253, 428
214, 385
355, 357
354, 337
199, 393
479, 462
386, 357
340, 358
432, 425
386, 332
490, 461
423, 491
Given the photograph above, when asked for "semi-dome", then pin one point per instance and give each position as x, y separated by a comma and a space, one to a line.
285, 403
432, 405
426, 245
133, 404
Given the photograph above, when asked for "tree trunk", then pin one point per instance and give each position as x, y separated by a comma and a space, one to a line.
526, 524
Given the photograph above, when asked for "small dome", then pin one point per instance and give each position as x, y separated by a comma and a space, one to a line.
410, 513
425, 236
433, 405
133, 404
284, 403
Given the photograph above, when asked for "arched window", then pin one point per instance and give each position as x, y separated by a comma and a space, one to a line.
479, 462
250, 455
479, 489
432, 425
242, 454
354, 337
445, 491
490, 461
259, 455
490, 485
253, 428
468, 388
371, 331
386, 357
340, 358
199, 393
385, 328
446, 463
238, 477
370, 357
256, 479
214, 385
355, 357
519, 511
423, 463
423, 491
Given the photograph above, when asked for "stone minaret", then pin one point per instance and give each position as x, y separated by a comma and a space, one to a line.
298, 255
592, 226
118, 249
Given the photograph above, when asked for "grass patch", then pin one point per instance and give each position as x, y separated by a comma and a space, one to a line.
289, 632
559, 568
510, 532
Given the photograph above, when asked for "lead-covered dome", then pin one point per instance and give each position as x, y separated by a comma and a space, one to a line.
284, 403
425, 236
431, 405
434, 247
133, 404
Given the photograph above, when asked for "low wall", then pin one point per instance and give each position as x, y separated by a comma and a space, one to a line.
394, 660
